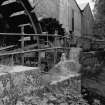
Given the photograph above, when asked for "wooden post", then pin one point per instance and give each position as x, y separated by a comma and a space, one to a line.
65, 45
22, 43
38, 43
55, 54
47, 39
12, 60
22, 40
47, 51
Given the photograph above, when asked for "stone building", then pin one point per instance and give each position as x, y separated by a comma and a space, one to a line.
68, 13
87, 21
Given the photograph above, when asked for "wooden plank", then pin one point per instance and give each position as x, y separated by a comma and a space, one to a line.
19, 49
17, 13
23, 25
25, 39
90, 38
11, 8
19, 34
8, 2
29, 51
7, 47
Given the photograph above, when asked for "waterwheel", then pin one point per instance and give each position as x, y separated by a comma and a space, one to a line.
14, 14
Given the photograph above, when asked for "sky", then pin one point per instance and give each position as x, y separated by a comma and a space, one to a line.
82, 3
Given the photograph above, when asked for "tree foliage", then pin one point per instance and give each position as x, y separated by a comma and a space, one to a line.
99, 25
100, 9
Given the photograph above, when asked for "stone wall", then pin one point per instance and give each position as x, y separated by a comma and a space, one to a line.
21, 85
28, 86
